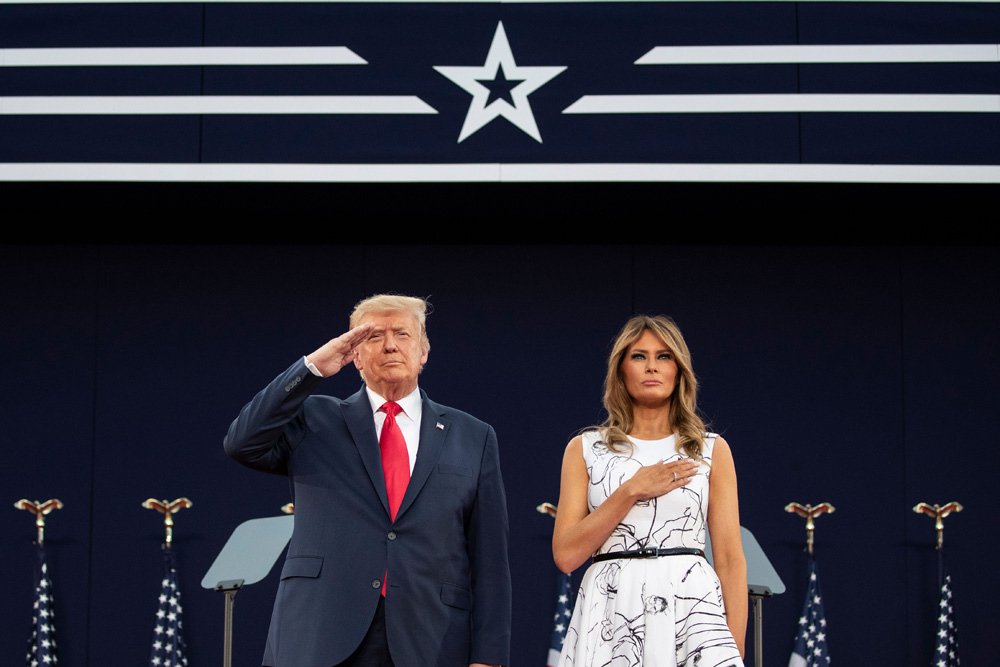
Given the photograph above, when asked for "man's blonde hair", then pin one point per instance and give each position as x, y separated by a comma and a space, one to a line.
383, 303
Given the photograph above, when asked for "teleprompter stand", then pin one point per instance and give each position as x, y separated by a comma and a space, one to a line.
762, 582
249, 554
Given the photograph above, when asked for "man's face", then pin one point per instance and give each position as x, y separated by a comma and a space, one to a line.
392, 357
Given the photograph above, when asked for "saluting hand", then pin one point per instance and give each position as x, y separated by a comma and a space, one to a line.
340, 351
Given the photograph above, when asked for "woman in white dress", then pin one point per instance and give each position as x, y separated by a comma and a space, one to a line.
637, 495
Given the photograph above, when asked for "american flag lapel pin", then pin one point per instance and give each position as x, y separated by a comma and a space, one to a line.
440, 425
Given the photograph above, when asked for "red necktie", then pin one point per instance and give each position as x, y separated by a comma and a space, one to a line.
395, 458
395, 462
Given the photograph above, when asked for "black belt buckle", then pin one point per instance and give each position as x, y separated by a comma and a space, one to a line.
647, 552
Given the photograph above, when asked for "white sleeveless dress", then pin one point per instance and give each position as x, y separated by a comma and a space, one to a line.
649, 612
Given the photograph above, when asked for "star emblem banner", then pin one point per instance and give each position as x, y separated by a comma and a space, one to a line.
530, 90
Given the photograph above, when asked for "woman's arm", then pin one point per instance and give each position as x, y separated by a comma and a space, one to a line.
727, 548
578, 532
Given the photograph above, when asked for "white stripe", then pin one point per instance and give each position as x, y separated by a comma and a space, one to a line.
497, 173
90, 2
218, 104
660, 55
751, 173
600, 104
206, 55
861, 53
251, 173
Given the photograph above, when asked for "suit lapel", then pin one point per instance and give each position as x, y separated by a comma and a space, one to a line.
433, 431
358, 415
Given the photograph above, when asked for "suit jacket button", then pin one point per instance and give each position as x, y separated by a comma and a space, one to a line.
391, 535
376, 583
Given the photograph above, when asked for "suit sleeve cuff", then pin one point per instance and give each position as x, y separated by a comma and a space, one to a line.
312, 367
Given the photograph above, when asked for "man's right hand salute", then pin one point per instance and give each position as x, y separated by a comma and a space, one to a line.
340, 351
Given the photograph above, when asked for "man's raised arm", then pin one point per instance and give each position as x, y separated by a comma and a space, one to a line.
264, 433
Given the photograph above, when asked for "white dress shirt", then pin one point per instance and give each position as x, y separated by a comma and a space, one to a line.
408, 418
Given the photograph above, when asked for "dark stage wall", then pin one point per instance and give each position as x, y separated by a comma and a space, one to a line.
862, 376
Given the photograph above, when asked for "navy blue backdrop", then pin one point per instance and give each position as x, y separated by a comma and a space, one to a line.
407, 98
862, 376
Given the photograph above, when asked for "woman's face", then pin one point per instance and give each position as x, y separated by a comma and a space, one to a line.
650, 371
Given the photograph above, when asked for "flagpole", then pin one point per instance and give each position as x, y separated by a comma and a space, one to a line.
168, 648
810, 639
946, 639
42, 643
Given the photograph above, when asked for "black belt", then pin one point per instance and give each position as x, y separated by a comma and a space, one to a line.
650, 552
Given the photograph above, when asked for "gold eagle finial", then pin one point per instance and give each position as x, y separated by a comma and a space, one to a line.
39, 509
167, 508
939, 512
810, 513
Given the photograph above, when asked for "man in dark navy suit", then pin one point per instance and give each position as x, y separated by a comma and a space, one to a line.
399, 553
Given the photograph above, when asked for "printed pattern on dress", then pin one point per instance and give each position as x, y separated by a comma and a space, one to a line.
659, 612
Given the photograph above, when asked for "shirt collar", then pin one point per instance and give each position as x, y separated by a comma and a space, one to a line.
411, 403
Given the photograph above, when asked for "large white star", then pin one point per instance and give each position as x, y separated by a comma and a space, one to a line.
481, 110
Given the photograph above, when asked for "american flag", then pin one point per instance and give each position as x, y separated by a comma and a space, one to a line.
946, 650
564, 611
810, 642
169, 649
42, 644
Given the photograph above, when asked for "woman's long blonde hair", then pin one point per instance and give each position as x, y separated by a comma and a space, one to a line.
684, 419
